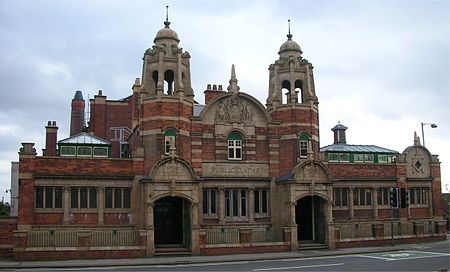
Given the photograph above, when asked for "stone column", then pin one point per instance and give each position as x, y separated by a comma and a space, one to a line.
150, 246
430, 201
66, 204
375, 202
293, 226
149, 216
221, 206
195, 235
101, 205
251, 205
350, 204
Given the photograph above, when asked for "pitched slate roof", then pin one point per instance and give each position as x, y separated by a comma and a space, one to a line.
84, 138
356, 148
198, 109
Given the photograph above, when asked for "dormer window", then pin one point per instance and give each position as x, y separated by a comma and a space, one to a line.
169, 140
234, 146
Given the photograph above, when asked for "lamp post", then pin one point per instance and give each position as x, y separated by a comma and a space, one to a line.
432, 125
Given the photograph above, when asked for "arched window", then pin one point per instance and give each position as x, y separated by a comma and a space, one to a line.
169, 140
169, 78
299, 90
155, 79
303, 145
285, 91
234, 146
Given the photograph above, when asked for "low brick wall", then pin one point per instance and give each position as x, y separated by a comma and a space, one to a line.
243, 249
7, 226
77, 253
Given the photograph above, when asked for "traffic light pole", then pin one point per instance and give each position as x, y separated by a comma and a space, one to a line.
392, 226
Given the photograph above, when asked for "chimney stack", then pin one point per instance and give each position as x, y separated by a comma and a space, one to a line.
77, 114
211, 93
51, 135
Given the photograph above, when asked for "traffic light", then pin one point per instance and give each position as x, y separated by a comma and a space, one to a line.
393, 193
404, 198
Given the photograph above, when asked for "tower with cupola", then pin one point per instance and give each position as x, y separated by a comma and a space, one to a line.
166, 99
292, 100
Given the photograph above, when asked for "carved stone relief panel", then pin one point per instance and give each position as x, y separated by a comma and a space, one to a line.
418, 163
172, 171
234, 110
311, 173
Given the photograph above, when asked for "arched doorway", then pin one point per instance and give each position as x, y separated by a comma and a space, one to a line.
172, 219
310, 219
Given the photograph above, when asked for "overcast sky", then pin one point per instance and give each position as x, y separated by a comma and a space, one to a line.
381, 67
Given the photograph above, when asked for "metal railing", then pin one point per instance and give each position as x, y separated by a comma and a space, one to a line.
115, 238
52, 238
222, 236
267, 235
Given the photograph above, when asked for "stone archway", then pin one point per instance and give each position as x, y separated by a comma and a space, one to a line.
310, 217
172, 221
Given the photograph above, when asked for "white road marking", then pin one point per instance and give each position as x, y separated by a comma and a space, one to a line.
297, 267
376, 257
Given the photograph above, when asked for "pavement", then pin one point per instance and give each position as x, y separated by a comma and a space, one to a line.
177, 260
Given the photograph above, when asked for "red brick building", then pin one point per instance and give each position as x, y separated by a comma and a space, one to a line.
157, 172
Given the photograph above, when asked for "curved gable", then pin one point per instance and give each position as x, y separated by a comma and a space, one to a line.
238, 108
418, 160
311, 171
170, 169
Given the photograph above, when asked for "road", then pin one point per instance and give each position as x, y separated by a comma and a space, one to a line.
427, 257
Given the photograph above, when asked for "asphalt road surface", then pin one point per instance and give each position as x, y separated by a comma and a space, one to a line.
429, 257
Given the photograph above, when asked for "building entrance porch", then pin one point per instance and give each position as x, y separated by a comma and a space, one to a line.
172, 221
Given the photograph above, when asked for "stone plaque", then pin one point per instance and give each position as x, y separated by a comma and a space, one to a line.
236, 170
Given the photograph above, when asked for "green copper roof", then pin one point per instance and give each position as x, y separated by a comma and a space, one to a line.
356, 148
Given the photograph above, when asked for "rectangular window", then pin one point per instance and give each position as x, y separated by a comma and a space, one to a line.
48, 197
358, 157
382, 158
168, 141
234, 149
39, 197
74, 198
341, 197
83, 198
333, 157
209, 201
108, 198
303, 149
68, 151
362, 197
101, 152
84, 151
383, 196
344, 157
418, 196
338, 157
118, 198
235, 203
261, 197
126, 198
368, 157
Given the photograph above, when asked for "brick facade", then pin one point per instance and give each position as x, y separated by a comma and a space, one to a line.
230, 176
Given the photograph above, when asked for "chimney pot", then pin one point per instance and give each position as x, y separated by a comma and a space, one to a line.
54, 123
49, 123
100, 92
220, 88
214, 87
208, 87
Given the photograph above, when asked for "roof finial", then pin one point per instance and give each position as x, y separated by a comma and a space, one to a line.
289, 35
167, 23
233, 87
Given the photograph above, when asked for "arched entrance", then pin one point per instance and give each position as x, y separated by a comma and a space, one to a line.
310, 219
172, 219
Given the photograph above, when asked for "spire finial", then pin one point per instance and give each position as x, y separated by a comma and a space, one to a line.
167, 23
289, 35
233, 87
